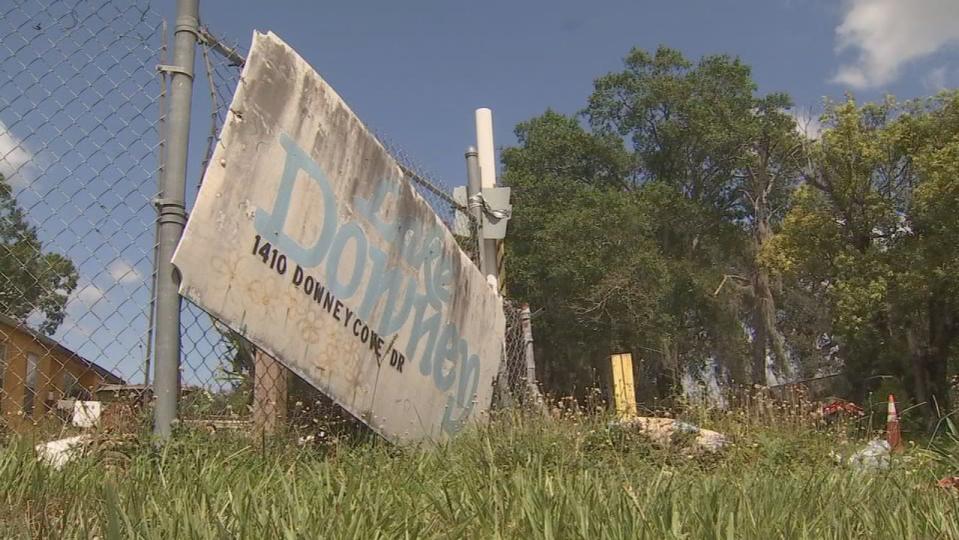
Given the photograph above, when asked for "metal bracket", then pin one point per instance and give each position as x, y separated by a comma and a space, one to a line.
477, 201
170, 211
189, 24
164, 68
497, 211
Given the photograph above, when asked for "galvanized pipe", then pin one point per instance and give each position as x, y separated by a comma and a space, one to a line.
487, 248
474, 187
171, 218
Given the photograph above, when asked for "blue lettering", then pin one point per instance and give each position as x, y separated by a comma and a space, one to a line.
369, 209
423, 327
270, 225
465, 396
343, 235
432, 248
443, 354
388, 282
450, 347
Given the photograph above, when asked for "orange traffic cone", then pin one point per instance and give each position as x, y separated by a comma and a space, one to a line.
893, 433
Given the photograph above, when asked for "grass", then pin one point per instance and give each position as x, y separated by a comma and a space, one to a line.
520, 477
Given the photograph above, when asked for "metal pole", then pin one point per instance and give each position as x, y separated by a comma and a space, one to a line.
161, 158
474, 187
171, 210
487, 248
486, 155
524, 317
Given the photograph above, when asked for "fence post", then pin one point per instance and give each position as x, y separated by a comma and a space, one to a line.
171, 217
526, 320
486, 170
624, 391
270, 383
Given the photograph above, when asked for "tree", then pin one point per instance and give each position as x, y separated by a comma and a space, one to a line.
580, 246
690, 221
769, 172
31, 281
733, 157
873, 234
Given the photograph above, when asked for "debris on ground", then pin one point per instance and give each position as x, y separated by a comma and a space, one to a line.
59, 452
875, 456
110, 451
840, 408
667, 432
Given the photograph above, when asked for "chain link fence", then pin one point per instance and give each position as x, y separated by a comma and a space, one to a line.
79, 143
81, 146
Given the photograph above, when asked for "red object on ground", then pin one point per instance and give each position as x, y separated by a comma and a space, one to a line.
843, 406
949, 482
893, 433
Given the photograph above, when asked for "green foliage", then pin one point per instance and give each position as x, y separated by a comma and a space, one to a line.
691, 221
31, 280
873, 234
627, 234
597, 288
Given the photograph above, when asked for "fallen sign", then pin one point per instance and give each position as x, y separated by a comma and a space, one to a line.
307, 239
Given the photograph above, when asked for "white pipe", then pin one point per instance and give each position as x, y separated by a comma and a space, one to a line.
485, 148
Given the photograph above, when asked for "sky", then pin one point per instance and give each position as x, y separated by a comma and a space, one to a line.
78, 100
415, 71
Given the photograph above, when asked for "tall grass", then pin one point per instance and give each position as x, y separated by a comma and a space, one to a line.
517, 478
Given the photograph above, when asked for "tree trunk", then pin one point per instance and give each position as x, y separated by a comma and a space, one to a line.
942, 334
917, 365
767, 335
758, 366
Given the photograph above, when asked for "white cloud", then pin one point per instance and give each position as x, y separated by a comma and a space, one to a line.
15, 157
123, 272
890, 33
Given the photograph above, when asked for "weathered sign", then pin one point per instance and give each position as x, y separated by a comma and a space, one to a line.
306, 238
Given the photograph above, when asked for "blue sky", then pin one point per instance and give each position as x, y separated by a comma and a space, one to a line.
416, 70
78, 108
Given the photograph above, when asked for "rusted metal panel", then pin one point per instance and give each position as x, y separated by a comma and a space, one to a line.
306, 239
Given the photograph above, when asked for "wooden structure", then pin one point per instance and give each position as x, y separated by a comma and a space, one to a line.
623, 389
270, 384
